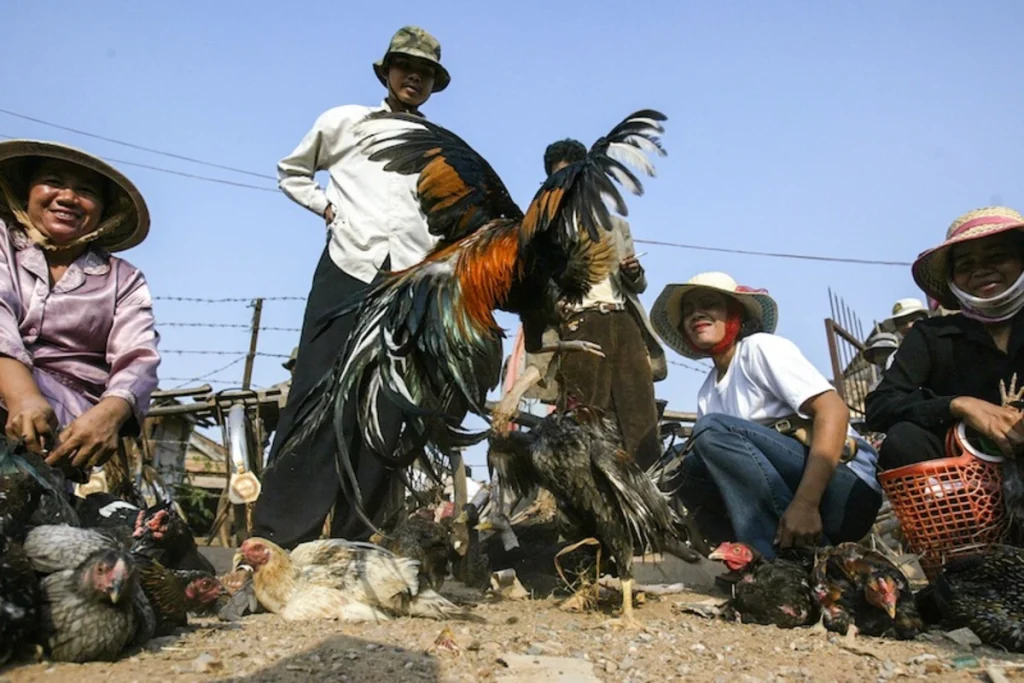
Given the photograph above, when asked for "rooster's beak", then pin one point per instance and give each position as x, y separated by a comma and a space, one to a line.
890, 609
485, 525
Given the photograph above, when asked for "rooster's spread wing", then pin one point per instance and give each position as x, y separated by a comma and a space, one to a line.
459, 192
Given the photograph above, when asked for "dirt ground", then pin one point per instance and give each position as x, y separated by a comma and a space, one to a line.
531, 635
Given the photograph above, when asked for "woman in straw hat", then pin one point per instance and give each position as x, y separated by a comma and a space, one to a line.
951, 368
744, 479
78, 348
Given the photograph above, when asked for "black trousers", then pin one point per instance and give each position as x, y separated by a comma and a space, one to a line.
300, 488
907, 444
619, 384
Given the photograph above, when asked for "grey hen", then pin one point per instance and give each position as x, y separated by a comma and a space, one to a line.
90, 612
60, 549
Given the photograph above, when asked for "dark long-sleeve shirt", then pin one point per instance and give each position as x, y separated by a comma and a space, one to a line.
940, 359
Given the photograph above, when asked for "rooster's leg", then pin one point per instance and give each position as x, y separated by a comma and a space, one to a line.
574, 345
627, 620
509, 403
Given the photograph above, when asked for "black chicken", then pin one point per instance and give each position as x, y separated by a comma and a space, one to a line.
856, 586
20, 599
769, 591
578, 457
20, 494
426, 339
52, 505
985, 592
418, 537
161, 533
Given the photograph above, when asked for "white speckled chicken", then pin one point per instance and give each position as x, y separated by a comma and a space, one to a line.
339, 579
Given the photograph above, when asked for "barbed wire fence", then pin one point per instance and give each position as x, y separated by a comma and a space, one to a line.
220, 375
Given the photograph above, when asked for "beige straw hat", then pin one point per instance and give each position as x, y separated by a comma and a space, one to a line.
125, 221
932, 269
667, 312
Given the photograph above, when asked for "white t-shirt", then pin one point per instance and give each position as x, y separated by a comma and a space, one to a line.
768, 379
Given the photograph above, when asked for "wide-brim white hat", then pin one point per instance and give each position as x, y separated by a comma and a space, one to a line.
667, 312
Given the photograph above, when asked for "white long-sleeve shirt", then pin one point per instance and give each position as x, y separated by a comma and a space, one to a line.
376, 212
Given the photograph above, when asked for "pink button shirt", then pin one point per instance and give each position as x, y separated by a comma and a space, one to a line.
91, 336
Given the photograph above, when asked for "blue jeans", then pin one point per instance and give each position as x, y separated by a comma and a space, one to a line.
740, 477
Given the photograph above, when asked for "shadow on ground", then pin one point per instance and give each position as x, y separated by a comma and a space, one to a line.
346, 658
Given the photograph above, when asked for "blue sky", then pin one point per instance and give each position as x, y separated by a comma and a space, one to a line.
843, 129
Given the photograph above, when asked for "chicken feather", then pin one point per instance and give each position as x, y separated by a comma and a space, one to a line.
335, 578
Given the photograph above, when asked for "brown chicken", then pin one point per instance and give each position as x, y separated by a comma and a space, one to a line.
339, 579
856, 586
173, 594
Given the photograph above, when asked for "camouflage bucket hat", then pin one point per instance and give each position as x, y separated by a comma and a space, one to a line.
415, 42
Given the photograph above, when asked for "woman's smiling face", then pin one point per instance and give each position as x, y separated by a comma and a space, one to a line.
989, 266
65, 201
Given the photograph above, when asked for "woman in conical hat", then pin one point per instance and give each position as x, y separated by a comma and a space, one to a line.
78, 348
742, 479
959, 367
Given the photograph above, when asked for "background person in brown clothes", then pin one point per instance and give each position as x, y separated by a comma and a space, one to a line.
611, 315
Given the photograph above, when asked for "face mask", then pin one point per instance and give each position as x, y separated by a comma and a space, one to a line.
997, 309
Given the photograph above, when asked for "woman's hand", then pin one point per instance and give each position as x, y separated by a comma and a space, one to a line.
31, 420
1001, 424
92, 439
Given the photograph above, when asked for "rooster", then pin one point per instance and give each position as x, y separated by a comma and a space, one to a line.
339, 579
577, 455
426, 338
769, 592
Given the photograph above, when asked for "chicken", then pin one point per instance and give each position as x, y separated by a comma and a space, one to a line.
325, 579
102, 510
52, 505
91, 611
204, 595
20, 599
859, 587
769, 591
173, 594
56, 547
161, 533
169, 594
985, 592
426, 339
19, 498
1012, 477
420, 538
577, 455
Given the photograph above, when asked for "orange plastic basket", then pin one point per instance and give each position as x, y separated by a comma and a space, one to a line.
948, 507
